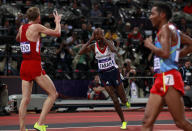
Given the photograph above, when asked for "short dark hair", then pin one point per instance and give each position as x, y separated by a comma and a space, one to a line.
162, 7
33, 13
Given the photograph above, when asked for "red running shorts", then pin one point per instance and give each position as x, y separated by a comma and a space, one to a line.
172, 78
30, 69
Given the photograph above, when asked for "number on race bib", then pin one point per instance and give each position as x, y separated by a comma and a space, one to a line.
25, 47
169, 80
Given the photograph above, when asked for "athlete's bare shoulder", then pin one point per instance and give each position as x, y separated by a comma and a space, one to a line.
173, 31
172, 28
36, 27
166, 27
168, 30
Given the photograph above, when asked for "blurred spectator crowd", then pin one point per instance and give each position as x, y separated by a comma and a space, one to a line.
124, 21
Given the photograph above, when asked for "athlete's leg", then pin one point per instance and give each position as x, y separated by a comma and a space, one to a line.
26, 96
152, 110
174, 100
46, 83
121, 93
114, 97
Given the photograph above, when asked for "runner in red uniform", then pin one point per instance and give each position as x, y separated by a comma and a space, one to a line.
29, 37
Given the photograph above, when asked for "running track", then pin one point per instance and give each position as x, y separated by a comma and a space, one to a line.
91, 121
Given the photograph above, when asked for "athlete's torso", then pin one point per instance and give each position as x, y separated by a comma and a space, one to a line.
163, 65
30, 50
105, 58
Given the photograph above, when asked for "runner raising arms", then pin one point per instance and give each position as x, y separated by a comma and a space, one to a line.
108, 69
29, 38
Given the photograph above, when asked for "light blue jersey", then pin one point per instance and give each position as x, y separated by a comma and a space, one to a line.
164, 65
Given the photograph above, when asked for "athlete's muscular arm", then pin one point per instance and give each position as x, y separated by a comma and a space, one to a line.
110, 45
87, 47
185, 39
56, 32
18, 34
165, 40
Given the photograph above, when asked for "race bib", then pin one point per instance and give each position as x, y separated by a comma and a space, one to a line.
156, 63
105, 64
169, 80
25, 47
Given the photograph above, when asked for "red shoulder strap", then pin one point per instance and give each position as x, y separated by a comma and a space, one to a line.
23, 32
